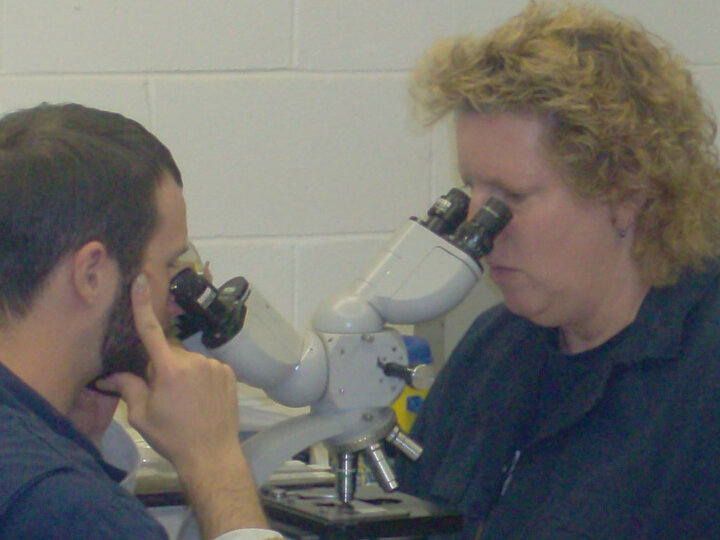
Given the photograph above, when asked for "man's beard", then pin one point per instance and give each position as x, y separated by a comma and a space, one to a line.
122, 350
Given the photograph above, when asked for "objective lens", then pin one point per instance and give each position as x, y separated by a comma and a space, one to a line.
383, 471
345, 477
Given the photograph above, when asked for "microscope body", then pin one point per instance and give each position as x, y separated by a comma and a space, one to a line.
350, 366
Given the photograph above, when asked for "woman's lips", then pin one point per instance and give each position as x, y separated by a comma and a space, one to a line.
501, 273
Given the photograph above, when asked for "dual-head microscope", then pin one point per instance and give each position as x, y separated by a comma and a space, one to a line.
350, 366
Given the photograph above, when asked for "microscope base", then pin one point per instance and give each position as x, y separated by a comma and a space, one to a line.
314, 513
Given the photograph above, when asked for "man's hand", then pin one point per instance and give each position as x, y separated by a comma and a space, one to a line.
188, 406
188, 412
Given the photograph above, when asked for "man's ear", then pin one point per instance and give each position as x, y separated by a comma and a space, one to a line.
95, 273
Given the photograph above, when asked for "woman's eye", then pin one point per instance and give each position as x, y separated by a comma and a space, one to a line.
514, 197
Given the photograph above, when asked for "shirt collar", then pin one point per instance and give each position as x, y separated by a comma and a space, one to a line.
15, 393
657, 331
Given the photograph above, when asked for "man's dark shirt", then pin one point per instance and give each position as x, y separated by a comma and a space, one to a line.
622, 441
53, 481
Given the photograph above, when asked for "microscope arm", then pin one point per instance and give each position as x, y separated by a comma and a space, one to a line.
268, 449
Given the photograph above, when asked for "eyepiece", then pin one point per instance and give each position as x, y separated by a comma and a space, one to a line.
219, 314
476, 236
196, 295
447, 212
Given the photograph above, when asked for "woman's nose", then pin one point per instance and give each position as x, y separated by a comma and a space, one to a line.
473, 207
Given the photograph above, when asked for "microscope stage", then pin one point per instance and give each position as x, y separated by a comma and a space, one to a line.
315, 513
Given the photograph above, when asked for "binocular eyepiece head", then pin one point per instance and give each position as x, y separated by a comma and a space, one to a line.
447, 218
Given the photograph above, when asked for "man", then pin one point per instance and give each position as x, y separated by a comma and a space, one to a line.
92, 221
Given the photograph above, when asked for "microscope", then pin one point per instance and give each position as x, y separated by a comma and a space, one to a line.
351, 365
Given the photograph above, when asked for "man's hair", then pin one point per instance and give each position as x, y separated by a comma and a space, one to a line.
623, 118
69, 175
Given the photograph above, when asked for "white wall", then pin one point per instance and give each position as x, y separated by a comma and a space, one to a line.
288, 118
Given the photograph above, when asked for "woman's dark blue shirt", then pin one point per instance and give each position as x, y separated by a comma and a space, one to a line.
622, 441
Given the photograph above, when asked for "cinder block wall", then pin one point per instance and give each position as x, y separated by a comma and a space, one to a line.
289, 118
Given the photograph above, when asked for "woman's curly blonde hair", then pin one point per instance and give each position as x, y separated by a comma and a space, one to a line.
623, 114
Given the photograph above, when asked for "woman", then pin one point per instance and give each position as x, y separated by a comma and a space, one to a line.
588, 403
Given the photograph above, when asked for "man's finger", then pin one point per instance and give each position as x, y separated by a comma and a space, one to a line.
148, 327
133, 389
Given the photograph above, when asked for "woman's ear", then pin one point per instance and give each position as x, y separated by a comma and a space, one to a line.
626, 211
95, 273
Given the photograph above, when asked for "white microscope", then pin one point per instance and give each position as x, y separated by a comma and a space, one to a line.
350, 367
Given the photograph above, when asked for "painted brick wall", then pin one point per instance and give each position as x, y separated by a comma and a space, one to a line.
289, 118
